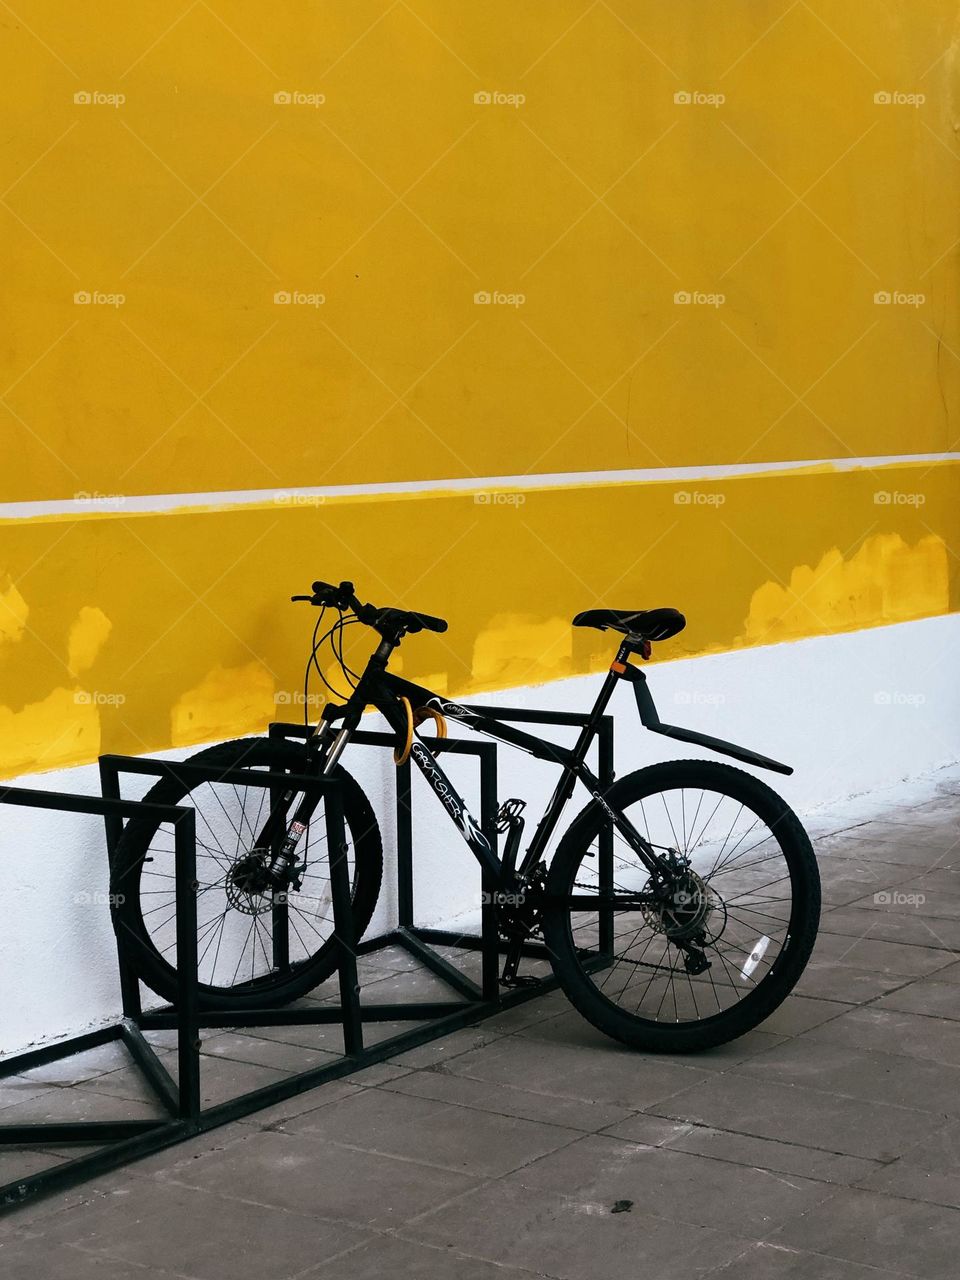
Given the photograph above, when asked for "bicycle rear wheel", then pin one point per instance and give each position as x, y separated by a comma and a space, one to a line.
743, 901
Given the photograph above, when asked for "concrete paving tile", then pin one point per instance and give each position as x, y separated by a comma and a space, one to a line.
502, 1099
929, 996
766, 1261
408, 1260
882, 1231
81, 1066
79, 1103
308, 1175
879, 957
799, 1013
407, 984
950, 974
893, 926
16, 1089
320, 1038
226, 1079
914, 901
909, 1182
861, 1073
195, 1233
566, 1236
827, 980
892, 1031
940, 879
673, 1184
938, 1152
850, 879
606, 1073
802, 1116
312, 1099
23, 1162
527, 1011
912, 830
572, 1029
290, 1059
449, 1046
129, 1083
433, 1133
34, 1260
759, 1153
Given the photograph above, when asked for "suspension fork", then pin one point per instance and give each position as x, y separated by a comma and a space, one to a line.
283, 836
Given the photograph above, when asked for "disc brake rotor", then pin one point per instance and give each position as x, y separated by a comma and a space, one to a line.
691, 910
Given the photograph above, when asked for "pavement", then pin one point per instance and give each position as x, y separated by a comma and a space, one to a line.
825, 1145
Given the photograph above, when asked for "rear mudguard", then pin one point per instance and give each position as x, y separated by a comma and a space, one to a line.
651, 720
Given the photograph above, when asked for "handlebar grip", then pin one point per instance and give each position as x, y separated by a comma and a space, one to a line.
431, 623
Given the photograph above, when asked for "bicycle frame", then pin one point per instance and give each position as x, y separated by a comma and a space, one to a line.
383, 690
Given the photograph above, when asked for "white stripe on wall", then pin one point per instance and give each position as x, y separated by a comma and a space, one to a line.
83, 503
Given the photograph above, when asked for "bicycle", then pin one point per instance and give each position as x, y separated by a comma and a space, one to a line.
675, 941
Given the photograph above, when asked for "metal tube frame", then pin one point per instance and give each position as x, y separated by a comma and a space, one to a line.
185, 1115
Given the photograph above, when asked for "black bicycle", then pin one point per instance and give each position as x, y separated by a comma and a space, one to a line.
686, 929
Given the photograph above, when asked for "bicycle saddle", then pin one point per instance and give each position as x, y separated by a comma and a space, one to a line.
639, 624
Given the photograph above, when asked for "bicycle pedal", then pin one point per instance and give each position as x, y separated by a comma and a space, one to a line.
508, 815
520, 980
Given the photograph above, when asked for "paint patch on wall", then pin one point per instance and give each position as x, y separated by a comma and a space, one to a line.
14, 611
87, 637
885, 581
227, 702
61, 729
515, 649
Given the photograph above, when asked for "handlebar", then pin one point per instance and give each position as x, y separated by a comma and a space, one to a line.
390, 623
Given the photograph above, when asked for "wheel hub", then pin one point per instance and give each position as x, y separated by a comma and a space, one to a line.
688, 908
248, 884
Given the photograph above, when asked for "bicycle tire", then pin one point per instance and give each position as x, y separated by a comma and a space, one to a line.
133, 854
572, 966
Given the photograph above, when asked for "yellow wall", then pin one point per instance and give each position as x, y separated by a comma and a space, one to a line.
399, 198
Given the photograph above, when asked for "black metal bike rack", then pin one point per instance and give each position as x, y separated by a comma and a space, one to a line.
126, 1140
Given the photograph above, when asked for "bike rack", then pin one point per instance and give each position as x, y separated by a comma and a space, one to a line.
128, 1140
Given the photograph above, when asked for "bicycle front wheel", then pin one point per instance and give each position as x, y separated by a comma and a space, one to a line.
683, 967
254, 949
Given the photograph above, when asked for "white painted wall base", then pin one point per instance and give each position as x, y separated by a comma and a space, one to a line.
852, 713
